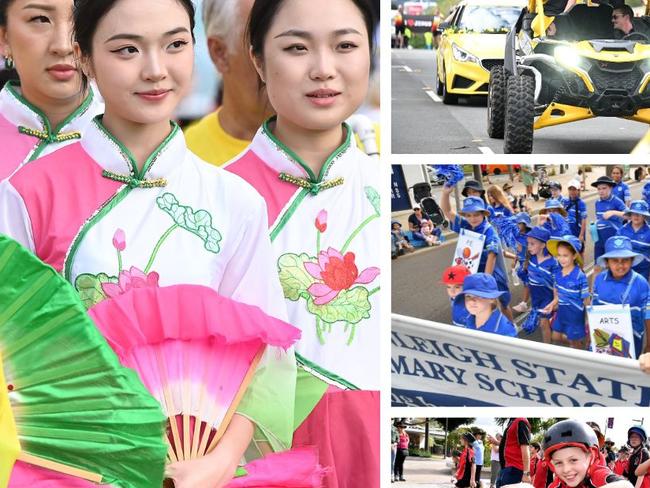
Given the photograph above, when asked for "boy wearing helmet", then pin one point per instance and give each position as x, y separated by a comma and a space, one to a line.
572, 452
465, 475
636, 438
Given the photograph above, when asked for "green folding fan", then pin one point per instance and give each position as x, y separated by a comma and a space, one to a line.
66, 403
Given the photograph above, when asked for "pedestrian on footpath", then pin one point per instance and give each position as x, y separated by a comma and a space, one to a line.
495, 465
514, 455
402, 452
478, 448
394, 441
465, 475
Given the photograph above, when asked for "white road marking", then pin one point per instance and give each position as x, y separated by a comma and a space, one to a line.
485, 150
433, 96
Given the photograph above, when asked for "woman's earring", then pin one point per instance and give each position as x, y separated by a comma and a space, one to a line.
9, 62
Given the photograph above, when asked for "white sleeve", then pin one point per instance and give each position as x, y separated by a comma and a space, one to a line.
250, 276
14, 218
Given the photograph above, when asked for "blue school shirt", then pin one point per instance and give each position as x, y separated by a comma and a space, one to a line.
608, 291
572, 290
641, 244
622, 192
496, 324
500, 211
556, 225
608, 228
459, 313
492, 244
541, 280
522, 240
577, 211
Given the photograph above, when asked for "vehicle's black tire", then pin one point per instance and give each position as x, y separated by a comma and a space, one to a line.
496, 105
519, 115
447, 98
439, 84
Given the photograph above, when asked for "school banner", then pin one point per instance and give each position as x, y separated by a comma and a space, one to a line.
610, 327
434, 364
469, 248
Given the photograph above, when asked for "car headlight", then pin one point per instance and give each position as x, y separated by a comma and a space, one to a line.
568, 57
462, 55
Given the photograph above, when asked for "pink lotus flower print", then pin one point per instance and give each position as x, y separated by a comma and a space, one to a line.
321, 221
133, 278
119, 240
337, 272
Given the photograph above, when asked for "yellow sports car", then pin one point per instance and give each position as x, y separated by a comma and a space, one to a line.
473, 41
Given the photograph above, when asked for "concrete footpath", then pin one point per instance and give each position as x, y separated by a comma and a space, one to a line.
431, 472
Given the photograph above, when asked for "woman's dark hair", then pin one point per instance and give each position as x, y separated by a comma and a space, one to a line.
88, 13
4, 6
264, 11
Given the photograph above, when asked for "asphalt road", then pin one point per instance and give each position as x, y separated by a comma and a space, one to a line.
422, 124
416, 290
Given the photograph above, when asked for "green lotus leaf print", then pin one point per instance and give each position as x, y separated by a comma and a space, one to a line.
197, 222
373, 198
350, 306
294, 278
90, 287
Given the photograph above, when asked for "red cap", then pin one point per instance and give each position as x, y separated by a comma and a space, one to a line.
455, 275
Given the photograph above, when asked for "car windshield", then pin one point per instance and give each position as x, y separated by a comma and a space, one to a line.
488, 19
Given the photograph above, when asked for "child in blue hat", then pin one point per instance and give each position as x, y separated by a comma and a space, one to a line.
620, 284
639, 233
479, 296
474, 216
576, 212
541, 271
521, 257
553, 218
610, 211
571, 293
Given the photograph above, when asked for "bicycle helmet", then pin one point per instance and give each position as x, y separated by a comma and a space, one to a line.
469, 437
569, 433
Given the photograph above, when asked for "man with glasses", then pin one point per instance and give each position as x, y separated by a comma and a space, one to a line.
625, 24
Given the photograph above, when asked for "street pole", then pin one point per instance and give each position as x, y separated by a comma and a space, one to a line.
426, 434
444, 454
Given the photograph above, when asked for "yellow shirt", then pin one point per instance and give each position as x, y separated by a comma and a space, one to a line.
207, 139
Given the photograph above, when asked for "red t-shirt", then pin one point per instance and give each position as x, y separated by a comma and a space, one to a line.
517, 434
465, 462
620, 466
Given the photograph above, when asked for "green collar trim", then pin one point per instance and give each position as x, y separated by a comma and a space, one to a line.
12, 87
295, 158
128, 156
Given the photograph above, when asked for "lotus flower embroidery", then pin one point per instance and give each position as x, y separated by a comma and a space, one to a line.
337, 272
128, 280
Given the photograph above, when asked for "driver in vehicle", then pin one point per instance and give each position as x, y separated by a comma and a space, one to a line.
625, 23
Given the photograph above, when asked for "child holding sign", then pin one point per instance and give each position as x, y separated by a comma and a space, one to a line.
622, 285
479, 297
473, 217
571, 293
453, 277
541, 271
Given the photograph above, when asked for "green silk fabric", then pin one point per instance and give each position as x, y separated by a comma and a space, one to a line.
72, 401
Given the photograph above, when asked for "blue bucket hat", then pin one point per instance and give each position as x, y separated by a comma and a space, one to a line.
474, 204
571, 240
523, 218
479, 285
553, 204
619, 247
639, 207
539, 233
638, 430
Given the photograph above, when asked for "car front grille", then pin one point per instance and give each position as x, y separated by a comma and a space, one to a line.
615, 76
